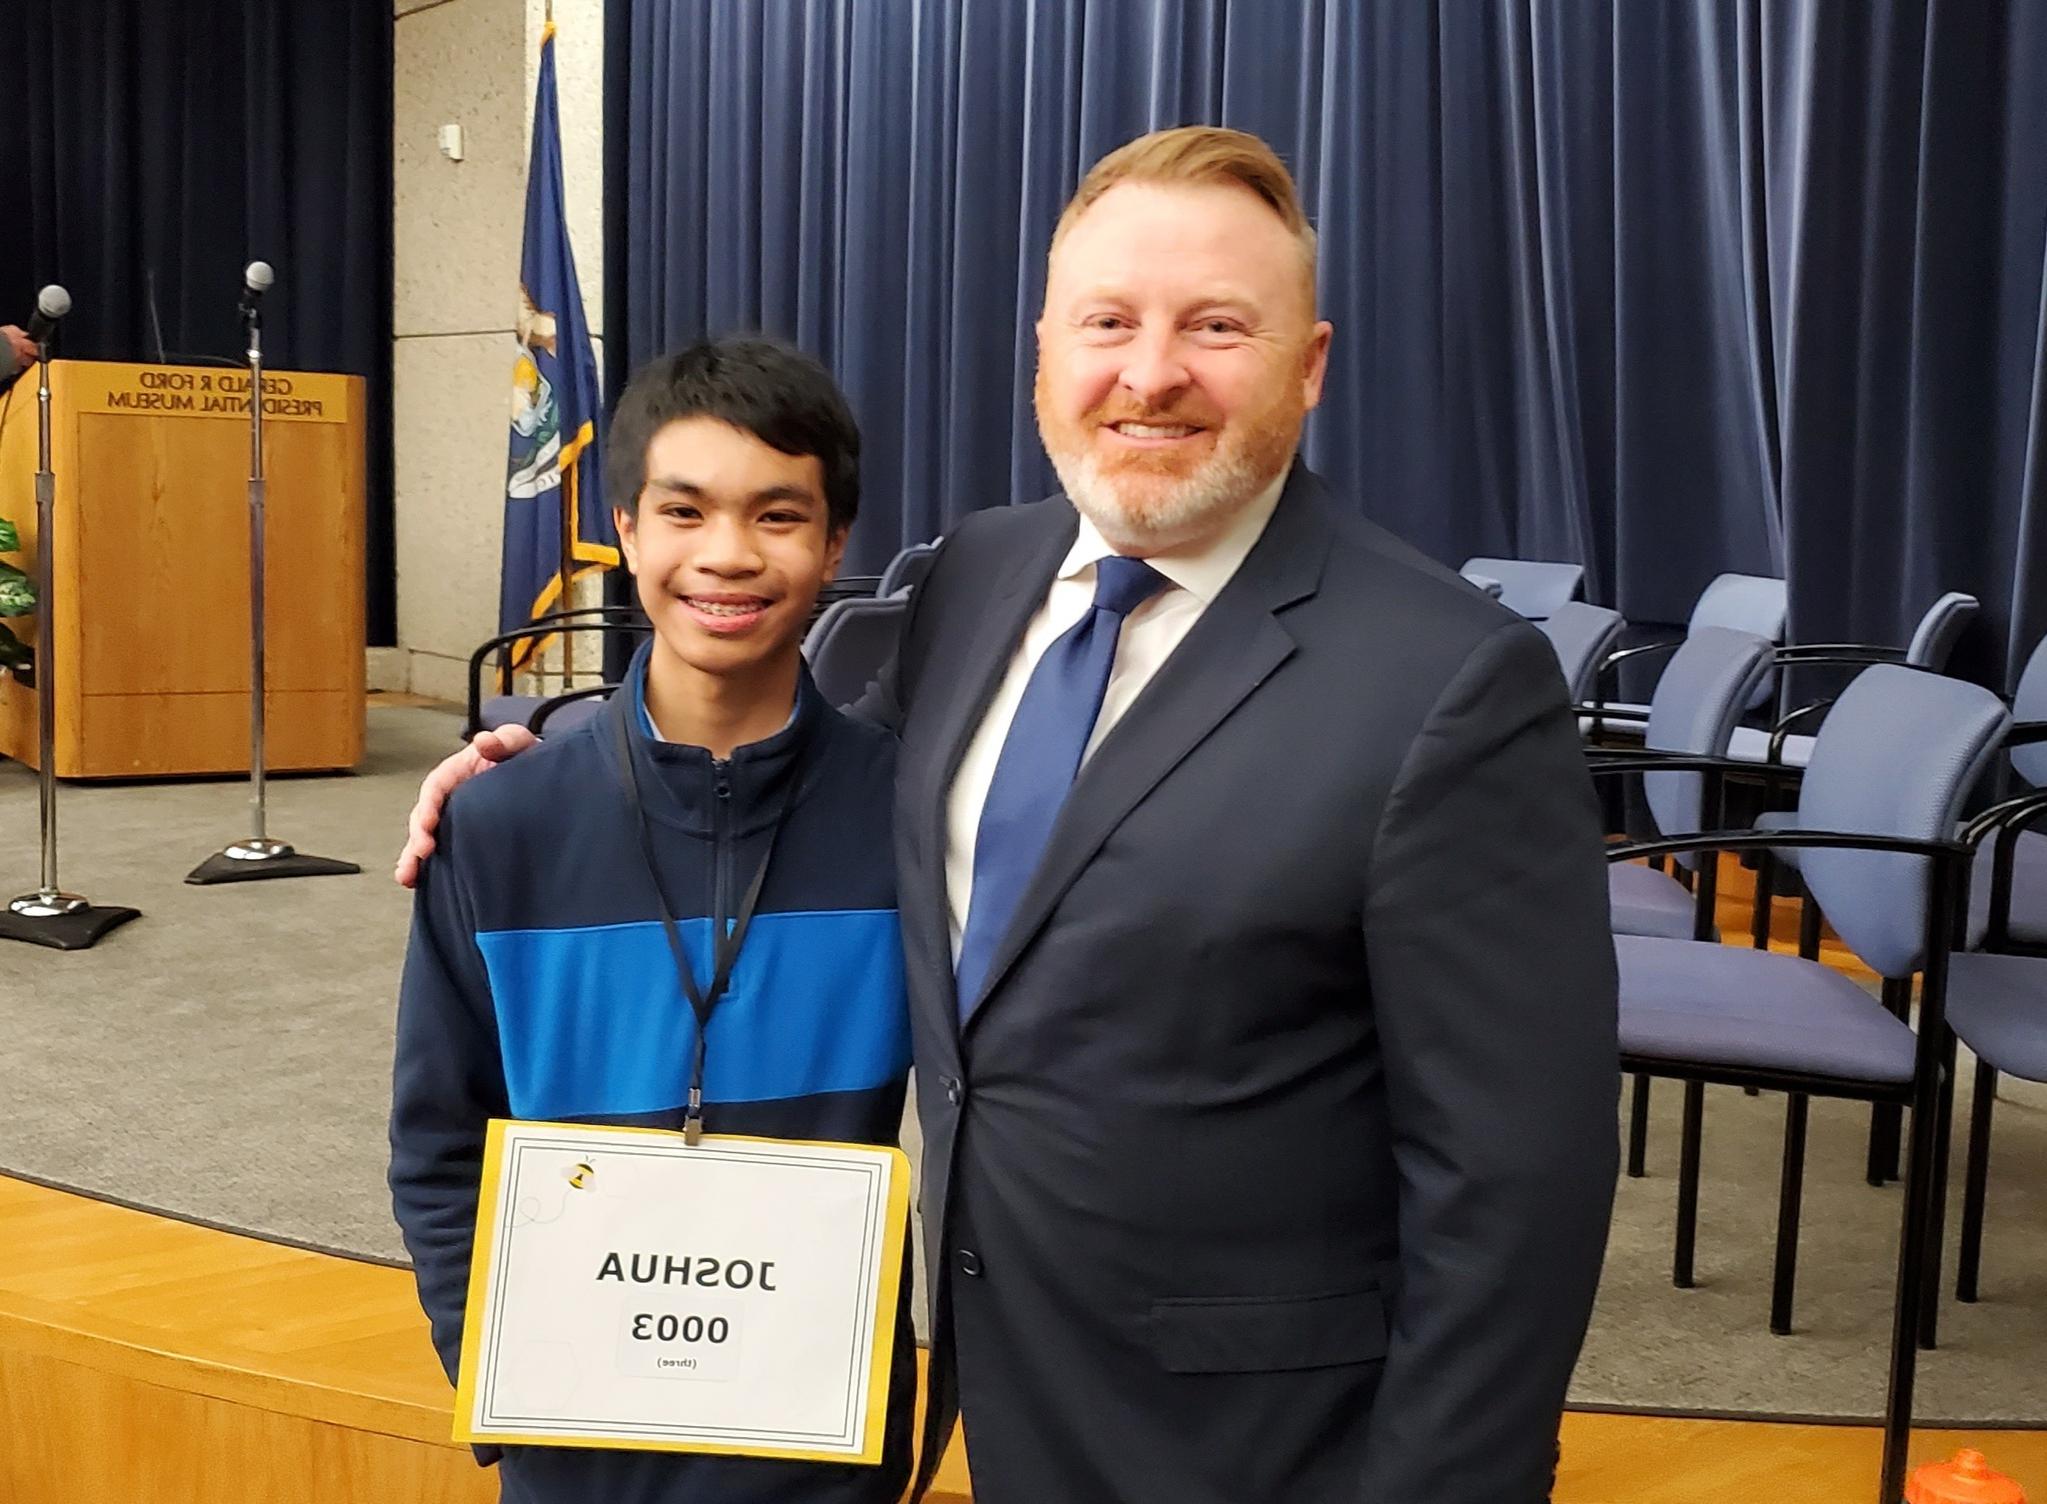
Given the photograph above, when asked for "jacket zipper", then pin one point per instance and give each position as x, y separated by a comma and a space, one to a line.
721, 847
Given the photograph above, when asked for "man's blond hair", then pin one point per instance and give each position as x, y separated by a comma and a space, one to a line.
1210, 154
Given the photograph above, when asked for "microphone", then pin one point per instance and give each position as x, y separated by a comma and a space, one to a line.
256, 280
52, 303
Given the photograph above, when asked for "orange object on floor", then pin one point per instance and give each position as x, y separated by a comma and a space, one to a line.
1967, 1479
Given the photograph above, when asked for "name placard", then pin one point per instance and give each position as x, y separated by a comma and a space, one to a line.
200, 391
735, 1297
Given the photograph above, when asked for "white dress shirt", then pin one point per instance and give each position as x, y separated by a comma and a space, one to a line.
1197, 574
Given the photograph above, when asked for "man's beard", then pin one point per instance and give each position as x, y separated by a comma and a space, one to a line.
1156, 501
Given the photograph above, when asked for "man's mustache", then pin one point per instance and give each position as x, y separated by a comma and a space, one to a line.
1193, 416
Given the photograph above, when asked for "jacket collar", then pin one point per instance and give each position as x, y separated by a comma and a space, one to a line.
680, 782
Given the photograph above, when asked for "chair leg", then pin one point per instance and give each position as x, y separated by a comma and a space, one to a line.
1688, 1185
1638, 1129
1759, 920
1683, 874
1789, 1194
1808, 927
1936, 1208
1656, 862
1968, 1264
1911, 1294
1885, 1120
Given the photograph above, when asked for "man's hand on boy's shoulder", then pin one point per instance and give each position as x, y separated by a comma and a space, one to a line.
485, 748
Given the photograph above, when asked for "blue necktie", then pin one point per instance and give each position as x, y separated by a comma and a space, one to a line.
1039, 760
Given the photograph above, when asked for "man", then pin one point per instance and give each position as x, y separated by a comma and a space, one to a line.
17, 352
537, 982
1267, 1066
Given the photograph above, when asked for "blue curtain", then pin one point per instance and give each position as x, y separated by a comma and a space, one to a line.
1667, 289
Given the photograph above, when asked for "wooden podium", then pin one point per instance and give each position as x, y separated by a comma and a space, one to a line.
152, 568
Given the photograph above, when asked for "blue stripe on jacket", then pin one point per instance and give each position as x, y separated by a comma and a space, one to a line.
593, 1022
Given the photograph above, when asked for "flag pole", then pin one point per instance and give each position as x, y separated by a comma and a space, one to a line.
568, 531
568, 569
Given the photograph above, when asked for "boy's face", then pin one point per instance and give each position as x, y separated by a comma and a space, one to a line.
730, 544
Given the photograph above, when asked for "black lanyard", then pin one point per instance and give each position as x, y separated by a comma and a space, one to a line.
702, 1001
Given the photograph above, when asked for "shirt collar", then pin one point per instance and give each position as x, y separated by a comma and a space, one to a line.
653, 732
1201, 569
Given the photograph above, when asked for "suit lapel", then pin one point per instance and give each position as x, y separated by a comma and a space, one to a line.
980, 664
1229, 652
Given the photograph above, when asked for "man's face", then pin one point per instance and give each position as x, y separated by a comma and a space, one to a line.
730, 544
1178, 354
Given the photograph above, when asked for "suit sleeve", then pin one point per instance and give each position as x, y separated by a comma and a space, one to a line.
1492, 977
447, 1082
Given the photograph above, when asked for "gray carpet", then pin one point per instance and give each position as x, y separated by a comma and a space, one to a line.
227, 1058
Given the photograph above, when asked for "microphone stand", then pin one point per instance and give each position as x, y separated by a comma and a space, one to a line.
50, 916
258, 856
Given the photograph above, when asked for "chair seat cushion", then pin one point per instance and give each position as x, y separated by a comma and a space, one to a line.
507, 710
1648, 902
1998, 1006
1703, 1004
1751, 745
2028, 890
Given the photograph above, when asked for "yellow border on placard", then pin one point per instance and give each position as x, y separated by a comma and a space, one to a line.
888, 1297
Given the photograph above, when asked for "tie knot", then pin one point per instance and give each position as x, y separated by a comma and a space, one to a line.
1122, 585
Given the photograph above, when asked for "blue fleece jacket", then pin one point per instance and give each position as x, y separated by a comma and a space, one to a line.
538, 984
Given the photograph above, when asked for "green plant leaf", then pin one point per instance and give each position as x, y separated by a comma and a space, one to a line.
14, 653
17, 594
10, 540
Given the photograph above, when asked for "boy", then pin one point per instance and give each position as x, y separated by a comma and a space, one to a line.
539, 983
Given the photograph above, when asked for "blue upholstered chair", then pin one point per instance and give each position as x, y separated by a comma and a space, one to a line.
1697, 703
2023, 926
1534, 588
1752, 603
1933, 643
1582, 635
851, 643
1998, 1008
906, 570
1877, 816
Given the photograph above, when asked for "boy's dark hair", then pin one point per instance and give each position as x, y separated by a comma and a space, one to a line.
771, 390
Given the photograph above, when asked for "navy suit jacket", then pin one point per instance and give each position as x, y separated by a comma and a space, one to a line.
1276, 1161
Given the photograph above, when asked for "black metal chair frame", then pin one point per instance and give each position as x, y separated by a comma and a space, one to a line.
1918, 1262
593, 619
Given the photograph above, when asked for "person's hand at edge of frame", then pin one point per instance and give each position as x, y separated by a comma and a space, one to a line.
25, 351
485, 748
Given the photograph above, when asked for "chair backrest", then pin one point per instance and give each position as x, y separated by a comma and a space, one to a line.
1748, 603
1940, 629
1897, 755
906, 570
852, 642
1534, 588
2029, 703
1698, 702
1582, 635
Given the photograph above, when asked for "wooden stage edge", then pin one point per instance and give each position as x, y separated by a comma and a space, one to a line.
157, 1362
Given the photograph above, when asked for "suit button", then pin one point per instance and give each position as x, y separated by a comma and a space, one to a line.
955, 1090
970, 1263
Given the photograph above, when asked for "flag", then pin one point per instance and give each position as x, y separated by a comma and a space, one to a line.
554, 471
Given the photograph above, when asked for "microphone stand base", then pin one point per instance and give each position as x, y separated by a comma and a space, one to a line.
253, 860
72, 929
